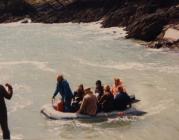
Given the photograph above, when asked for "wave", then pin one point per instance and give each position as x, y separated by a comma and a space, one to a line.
38, 64
132, 65
20, 104
17, 137
112, 31
160, 107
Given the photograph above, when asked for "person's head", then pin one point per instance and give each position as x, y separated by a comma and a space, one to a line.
80, 87
107, 88
60, 78
120, 89
88, 91
98, 83
117, 81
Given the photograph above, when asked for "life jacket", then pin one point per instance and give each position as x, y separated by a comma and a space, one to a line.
59, 106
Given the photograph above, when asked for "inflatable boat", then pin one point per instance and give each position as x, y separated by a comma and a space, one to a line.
49, 112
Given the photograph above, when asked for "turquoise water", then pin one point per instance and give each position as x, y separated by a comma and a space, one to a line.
32, 55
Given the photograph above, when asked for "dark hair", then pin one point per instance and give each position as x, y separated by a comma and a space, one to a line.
98, 82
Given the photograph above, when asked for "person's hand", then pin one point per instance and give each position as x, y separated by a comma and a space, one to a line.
53, 97
8, 86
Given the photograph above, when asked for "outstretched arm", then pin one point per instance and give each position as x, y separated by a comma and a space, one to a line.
7, 93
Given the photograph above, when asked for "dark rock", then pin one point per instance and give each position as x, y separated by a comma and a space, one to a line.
143, 19
119, 17
164, 44
147, 27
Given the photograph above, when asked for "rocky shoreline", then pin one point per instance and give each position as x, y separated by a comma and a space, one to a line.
147, 20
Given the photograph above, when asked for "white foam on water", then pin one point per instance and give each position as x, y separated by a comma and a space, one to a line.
38, 64
82, 125
122, 119
114, 32
21, 104
160, 107
17, 137
27, 20
133, 66
19, 23
19, 101
21, 88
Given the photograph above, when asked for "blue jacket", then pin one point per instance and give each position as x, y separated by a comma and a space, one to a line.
64, 89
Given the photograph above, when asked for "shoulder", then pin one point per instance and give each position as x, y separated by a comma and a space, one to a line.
94, 97
86, 96
65, 82
2, 87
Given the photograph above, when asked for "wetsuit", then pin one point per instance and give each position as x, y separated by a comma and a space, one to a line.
64, 89
3, 112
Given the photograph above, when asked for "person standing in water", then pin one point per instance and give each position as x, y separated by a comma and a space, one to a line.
65, 91
3, 110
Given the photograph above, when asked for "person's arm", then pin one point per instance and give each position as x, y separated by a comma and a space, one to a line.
56, 91
7, 93
102, 99
83, 105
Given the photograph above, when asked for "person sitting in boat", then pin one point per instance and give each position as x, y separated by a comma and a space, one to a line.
122, 100
89, 103
99, 89
106, 103
117, 83
77, 98
65, 91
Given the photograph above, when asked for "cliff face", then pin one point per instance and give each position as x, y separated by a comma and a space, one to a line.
14, 10
143, 19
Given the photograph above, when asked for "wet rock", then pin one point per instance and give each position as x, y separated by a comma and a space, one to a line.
164, 44
119, 17
148, 26
168, 38
143, 19
14, 10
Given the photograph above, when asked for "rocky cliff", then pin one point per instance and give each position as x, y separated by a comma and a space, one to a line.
143, 19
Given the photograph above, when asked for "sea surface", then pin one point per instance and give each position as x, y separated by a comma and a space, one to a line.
31, 56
